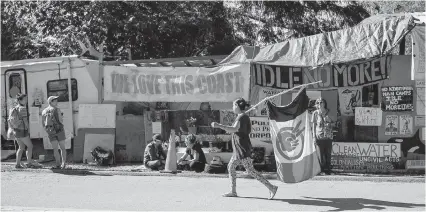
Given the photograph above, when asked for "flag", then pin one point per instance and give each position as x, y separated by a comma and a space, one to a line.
294, 148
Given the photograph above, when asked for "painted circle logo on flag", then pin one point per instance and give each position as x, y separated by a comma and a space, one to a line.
290, 141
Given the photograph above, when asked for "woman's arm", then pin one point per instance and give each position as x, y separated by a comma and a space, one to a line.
196, 156
231, 129
183, 157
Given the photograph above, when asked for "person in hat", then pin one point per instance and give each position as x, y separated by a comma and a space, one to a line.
153, 153
19, 129
53, 125
198, 159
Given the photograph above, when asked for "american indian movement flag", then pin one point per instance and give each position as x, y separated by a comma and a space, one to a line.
294, 147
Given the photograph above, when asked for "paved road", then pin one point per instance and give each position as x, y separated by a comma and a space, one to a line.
55, 191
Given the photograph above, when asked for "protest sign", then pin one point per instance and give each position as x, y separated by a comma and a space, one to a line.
332, 76
398, 98
368, 116
176, 84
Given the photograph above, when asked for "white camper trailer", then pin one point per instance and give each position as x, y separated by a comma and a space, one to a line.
41, 78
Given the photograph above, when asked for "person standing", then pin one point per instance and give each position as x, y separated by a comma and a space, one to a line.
19, 128
242, 148
198, 159
323, 133
52, 122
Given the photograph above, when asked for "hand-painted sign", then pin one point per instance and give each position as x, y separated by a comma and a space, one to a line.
406, 125
365, 156
368, 116
349, 99
176, 84
339, 75
391, 125
398, 98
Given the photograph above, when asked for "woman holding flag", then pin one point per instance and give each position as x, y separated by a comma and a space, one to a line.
242, 148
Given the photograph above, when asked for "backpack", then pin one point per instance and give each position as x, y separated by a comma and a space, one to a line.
12, 123
50, 123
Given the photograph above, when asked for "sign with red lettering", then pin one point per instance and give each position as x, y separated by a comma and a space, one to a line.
176, 84
332, 76
398, 98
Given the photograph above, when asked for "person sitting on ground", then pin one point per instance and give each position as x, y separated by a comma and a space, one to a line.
198, 159
153, 153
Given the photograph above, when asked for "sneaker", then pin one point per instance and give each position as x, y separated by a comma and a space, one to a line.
272, 192
230, 194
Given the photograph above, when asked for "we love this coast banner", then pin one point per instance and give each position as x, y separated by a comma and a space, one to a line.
178, 84
332, 76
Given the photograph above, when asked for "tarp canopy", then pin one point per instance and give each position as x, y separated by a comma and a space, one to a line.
374, 37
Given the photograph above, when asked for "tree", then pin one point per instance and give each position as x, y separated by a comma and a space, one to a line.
171, 29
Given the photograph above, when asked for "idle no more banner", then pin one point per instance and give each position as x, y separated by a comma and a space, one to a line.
332, 76
178, 84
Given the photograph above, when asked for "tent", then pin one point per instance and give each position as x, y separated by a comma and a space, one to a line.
375, 36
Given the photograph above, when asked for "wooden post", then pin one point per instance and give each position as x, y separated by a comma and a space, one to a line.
101, 75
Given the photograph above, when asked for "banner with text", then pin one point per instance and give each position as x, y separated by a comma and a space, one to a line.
365, 156
176, 84
332, 76
398, 98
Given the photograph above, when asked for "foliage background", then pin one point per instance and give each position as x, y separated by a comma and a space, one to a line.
32, 29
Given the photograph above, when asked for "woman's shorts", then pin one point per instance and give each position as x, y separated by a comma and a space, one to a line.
60, 136
21, 133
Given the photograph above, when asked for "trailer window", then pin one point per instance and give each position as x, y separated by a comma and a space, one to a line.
60, 88
15, 86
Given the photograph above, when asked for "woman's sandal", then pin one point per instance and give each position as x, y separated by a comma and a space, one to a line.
19, 166
231, 194
56, 167
273, 192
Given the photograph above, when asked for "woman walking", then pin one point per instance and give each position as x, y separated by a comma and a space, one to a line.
242, 148
19, 128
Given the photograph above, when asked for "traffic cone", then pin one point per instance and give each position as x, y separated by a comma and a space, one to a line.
171, 160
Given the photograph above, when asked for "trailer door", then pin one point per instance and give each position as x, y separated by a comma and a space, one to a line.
15, 82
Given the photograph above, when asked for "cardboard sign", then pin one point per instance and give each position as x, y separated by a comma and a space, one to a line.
368, 116
406, 124
419, 121
96, 116
391, 125
349, 99
398, 98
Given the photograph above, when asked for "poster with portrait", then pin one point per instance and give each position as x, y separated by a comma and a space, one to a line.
349, 98
405, 125
391, 125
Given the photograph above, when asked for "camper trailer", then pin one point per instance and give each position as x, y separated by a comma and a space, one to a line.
41, 78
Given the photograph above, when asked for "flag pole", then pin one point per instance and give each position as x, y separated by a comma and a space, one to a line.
281, 93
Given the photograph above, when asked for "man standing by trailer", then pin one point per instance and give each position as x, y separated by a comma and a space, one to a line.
53, 125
